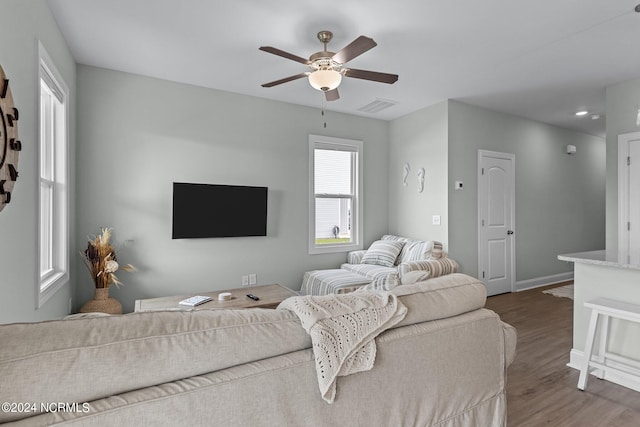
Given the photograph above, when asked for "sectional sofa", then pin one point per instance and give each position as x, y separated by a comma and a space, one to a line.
442, 365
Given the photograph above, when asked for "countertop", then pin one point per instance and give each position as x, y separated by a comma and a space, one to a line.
602, 257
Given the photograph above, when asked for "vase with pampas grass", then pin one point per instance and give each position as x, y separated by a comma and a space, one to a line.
100, 259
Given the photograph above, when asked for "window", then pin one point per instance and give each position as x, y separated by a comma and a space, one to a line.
53, 214
335, 190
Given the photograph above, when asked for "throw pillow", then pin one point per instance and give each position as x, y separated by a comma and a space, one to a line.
386, 283
382, 283
382, 252
418, 251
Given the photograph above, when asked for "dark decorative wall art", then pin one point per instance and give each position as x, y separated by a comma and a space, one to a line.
10, 145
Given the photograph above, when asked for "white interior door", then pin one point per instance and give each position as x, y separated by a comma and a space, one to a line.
496, 209
629, 197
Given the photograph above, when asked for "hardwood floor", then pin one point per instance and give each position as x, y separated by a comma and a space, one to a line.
541, 389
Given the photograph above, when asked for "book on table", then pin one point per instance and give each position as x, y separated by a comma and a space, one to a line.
196, 300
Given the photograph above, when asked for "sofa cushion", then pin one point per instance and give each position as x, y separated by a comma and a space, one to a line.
442, 297
383, 252
49, 361
338, 281
370, 271
436, 267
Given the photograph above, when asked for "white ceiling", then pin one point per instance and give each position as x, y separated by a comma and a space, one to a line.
542, 60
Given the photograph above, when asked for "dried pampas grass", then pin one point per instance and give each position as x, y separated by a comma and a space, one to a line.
100, 259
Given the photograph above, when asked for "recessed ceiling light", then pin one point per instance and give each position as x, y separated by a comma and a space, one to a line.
637, 9
595, 116
582, 113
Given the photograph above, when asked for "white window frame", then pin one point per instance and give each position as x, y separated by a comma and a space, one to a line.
339, 144
57, 249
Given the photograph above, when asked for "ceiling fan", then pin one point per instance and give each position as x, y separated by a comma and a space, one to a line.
327, 68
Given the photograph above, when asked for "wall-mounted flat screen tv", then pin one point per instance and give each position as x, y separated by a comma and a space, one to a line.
209, 210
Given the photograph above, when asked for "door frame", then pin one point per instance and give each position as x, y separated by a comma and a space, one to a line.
624, 187
481, 229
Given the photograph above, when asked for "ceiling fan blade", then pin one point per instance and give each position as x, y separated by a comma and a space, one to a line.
285, 80
284, 54
332, 95
371, 75
353, 49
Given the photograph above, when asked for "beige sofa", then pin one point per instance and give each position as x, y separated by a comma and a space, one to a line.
444, 364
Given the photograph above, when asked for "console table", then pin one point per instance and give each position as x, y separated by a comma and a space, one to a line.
270, 296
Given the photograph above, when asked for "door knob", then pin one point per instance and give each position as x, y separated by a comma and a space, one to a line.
510, 232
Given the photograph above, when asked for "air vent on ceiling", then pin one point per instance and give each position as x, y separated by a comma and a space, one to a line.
377, 106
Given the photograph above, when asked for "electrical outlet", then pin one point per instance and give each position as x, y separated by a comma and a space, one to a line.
253, 279
435, 220
245, 280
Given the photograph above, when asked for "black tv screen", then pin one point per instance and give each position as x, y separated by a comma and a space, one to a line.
208, 210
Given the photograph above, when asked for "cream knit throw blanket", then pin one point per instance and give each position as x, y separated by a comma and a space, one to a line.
342, 330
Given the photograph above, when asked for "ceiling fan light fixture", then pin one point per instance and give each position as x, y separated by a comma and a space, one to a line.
325, 68
325, 80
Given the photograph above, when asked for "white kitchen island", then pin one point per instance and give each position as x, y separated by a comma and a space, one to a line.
600, 274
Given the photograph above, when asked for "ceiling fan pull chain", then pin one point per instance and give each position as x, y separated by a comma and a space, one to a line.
322, 111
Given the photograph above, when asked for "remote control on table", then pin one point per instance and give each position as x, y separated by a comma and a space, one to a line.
253, 297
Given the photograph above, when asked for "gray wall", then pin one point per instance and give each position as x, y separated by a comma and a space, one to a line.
137, 135
623, 102
560, 199
22, 23
419, 139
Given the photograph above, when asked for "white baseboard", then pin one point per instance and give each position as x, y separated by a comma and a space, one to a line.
629, 379
523, 285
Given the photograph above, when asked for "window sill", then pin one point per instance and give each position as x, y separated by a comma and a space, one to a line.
330, 249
